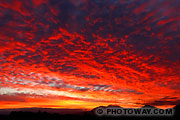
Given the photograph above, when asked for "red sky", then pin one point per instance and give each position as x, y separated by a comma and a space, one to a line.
88, 53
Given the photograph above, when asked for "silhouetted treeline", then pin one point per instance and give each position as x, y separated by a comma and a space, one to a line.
22, 115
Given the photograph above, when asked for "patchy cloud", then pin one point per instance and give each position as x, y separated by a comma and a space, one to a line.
110, 50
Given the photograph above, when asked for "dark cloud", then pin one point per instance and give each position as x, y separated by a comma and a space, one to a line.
169, 98
99, 87
11, 98
132, 91
125, 46
161, 103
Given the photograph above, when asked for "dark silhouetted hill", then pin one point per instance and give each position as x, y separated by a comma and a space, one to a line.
74, 114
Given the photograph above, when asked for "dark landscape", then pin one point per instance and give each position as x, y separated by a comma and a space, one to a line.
80, 59
73, 114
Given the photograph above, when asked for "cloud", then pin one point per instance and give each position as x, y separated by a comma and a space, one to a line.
169, 98
120, 49
161, 103
10, 98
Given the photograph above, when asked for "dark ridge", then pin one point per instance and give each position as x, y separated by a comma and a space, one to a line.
177, 111
148, 106
49, 114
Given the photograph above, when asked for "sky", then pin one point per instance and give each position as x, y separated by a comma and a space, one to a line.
80, 54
